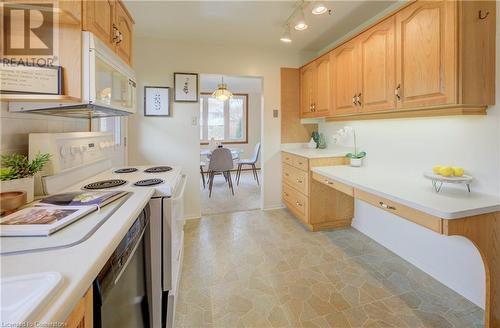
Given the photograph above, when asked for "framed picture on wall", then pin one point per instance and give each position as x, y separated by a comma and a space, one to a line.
185, 87
156, 101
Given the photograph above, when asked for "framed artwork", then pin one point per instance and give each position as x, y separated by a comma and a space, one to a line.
186, 87
156, 101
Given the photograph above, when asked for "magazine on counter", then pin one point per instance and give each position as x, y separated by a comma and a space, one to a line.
41, 220
82, 198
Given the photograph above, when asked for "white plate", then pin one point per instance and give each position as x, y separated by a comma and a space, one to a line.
465, 179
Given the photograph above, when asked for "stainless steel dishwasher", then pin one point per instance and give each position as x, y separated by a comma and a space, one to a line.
120, 291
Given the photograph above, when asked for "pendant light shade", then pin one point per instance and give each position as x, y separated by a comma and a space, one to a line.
319, 8
300, 24
287, 36
222, 93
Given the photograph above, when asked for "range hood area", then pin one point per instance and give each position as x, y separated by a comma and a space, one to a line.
107, 84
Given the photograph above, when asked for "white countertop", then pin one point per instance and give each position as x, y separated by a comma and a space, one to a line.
80, 264
414, 191
316, 153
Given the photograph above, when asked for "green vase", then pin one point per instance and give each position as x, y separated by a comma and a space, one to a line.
321, 141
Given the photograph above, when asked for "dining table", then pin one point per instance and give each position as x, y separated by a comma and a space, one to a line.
235, 152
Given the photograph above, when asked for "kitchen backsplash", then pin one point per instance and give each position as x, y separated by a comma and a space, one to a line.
15, 127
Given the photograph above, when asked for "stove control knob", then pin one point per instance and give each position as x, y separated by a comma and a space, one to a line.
74, 150
83, 148
65, 150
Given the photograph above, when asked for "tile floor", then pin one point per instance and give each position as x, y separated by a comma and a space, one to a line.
246, 195
263, 269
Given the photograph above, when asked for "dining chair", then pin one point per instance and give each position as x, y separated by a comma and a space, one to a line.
202, 165
221, 162
251, 161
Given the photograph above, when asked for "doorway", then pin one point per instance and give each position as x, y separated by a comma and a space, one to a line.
234, 124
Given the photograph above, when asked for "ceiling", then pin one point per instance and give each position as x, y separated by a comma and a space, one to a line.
237, 84
250, 23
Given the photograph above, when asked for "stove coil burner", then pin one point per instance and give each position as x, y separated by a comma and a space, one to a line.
148, 182
105, 184
126, 170
158, 169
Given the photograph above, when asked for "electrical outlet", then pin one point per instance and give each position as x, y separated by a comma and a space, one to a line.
275, 113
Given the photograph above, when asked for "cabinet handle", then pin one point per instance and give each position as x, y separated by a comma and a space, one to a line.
287, 175
354, 100
120, 37
116, 34
358, 98
396, 92
328, 182
300, 163
285, 193
388, 207
298, 204
299, 181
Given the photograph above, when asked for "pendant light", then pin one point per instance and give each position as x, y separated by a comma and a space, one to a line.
301, 24
222, 93
287, 36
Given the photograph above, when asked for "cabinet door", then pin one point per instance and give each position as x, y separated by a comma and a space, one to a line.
378, 67
345, 78
306, 90
124, 25
426, 54
98, 19
82, 314
322, 87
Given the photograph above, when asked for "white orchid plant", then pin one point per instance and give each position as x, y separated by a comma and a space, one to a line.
345, 133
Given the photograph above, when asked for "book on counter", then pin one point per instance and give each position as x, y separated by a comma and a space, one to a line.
55, 212
82, 198
41, 220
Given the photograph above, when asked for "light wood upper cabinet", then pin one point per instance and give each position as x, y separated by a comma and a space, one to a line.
345, 78
306, 90
426, 57
124, 26
378, 67
322, 86
98, 17
429, 58
110, 21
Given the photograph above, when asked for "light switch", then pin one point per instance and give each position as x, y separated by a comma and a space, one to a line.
275, 113
194, 121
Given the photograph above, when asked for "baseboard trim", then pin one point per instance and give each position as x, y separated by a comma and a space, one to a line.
274, 207
192, 217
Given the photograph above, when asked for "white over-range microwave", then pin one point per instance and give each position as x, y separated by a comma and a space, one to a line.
108, 86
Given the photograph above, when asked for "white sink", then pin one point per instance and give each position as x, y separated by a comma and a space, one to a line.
22, 296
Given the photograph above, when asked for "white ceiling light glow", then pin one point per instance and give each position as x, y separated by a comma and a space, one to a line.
319, 8
300, 24
287, 36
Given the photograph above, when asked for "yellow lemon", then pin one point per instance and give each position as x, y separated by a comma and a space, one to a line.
446, 171
458, 171
436, 169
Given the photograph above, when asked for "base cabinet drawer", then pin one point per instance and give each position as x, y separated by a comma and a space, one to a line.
301, 163
411, 214
296, 202
333, 184
287, 158
296, 178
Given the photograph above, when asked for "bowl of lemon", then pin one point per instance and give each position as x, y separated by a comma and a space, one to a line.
442, 174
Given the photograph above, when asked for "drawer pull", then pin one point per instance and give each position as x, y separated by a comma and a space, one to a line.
285, 193
298, 204
384, 205
300, 163
328, 182
299, 181
287, 175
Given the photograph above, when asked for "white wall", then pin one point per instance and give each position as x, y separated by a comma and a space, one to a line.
252, 87
175, 140
413, 146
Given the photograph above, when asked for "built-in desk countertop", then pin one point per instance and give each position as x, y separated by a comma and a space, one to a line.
414, 192
452, 212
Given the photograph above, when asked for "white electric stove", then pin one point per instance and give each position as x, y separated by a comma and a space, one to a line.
83, 161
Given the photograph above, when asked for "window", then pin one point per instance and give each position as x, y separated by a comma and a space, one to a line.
112, 124
224, 121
